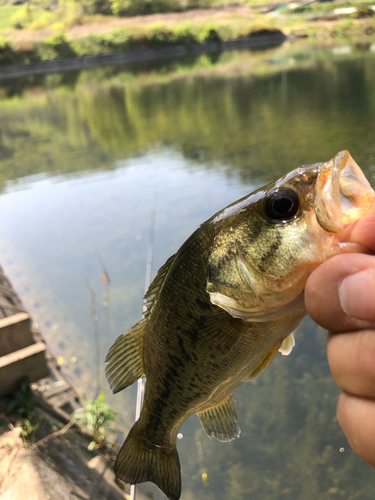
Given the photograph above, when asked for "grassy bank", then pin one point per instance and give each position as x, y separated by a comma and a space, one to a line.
59, 46
33, 32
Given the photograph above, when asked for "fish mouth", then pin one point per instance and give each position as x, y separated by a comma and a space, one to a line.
342, 193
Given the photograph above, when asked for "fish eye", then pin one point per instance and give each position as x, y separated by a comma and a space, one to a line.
281, 205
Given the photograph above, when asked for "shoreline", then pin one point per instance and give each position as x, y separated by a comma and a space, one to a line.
139, 55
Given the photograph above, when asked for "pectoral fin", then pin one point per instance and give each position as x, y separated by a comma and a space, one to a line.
220, 332
125, 359
264, 363
287, 345
220, 421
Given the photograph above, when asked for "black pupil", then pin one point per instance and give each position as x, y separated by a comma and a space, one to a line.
281, 205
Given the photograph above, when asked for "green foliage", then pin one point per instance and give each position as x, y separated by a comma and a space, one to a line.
116, 41
184, 34
258, 29
23, 16
301, 9
95, 6
44, 21
209, 34
29, 426
363, 12
6, 14
5, 46
343, 27
22, 400
160, 35
145, 7
96, 415
122, 39
57, 47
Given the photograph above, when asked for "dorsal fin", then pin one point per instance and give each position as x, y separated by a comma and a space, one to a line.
154, 288
125, 358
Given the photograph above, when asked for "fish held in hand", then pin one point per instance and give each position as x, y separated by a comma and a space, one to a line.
221, 308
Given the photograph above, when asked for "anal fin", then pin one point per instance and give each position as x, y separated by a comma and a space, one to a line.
125, 358
264, 363
220, 421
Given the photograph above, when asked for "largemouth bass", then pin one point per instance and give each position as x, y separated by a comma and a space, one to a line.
221, 308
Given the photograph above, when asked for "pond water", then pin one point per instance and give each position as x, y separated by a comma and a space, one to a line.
87, 157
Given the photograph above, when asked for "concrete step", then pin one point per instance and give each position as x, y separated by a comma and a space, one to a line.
15, 333
30, 361
65, 402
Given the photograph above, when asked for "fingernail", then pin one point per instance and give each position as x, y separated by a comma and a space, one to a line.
357, 295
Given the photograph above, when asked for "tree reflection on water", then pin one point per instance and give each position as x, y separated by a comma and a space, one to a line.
248, 117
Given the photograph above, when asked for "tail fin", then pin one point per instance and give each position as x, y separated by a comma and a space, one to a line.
139, 460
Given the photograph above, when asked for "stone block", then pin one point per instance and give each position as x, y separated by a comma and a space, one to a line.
15, 333
30, 361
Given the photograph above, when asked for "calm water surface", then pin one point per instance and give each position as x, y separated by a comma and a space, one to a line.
85, 157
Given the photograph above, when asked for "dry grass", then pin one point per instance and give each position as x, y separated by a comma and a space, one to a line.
12, 455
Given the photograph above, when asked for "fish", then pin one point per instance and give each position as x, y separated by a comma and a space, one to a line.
223, 305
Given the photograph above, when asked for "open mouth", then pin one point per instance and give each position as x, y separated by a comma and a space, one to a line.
342, 193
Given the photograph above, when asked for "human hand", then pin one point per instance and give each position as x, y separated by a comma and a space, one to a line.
340, 296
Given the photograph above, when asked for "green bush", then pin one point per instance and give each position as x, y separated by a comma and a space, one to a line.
185, 35
257, 30
5, 45
41, 23
118, 40
159, 35
7, 54
120, 37
363, 12
97, 416
121, 40
199, 4
91, 7
209, 35
91, 45
143, 7
57, 47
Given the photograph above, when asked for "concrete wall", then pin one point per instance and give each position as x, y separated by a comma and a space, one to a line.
17, 70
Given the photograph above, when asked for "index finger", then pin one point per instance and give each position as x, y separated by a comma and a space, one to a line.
362, 231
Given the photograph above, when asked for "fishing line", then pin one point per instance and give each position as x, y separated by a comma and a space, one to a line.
150, 251
96, 337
